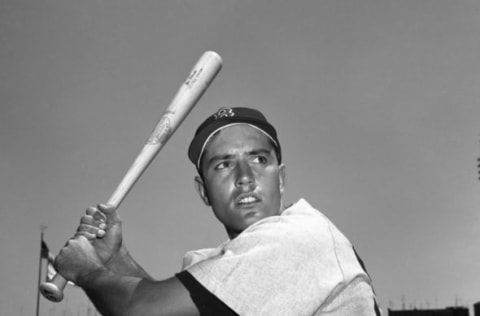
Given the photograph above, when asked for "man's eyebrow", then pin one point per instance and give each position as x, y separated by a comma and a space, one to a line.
264, 151
219, 157
253, 152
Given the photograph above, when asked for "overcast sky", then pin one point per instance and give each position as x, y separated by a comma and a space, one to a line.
376, 103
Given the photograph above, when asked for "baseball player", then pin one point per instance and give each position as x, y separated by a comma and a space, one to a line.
278, 259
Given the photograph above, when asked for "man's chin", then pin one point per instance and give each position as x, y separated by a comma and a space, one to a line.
251, 218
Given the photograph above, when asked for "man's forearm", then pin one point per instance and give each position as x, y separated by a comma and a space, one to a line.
115, 293
124, 264
119, 295
110, 293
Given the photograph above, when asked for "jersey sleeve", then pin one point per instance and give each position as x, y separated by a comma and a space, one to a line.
206, 302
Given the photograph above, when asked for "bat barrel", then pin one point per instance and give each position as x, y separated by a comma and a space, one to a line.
192, 89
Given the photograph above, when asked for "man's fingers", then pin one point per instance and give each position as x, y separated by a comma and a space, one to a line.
93, 224
110, 212
89, 220
91, 236
96, 213
94, 220
87, 235
89, 229
106, 208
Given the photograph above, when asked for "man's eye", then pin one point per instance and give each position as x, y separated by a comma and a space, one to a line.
260, 159
222, 165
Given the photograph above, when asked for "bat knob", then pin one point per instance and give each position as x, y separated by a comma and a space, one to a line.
51, 292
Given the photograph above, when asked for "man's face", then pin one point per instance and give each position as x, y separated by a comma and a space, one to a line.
242, 179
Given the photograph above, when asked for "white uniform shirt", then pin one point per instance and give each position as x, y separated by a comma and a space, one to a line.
297, 263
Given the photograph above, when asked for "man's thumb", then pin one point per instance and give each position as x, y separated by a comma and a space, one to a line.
109, 211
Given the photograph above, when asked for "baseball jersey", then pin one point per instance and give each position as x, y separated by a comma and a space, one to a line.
297, 263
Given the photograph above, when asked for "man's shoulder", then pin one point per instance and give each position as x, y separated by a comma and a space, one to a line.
299, 225
301, 206
302, 215
303, 220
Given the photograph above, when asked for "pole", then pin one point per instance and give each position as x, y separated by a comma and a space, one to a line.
42, 228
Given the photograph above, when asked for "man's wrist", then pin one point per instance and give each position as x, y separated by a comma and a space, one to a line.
118, 258
89, 280
122, 263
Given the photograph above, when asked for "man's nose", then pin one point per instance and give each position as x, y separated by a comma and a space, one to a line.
244, 177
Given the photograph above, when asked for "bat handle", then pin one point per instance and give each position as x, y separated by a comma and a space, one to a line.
53, 290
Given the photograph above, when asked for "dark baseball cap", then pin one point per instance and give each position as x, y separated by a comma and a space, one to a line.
226, 117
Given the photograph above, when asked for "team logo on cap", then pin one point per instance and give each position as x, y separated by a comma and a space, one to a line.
224, 112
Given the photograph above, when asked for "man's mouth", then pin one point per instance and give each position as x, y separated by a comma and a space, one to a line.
247, 199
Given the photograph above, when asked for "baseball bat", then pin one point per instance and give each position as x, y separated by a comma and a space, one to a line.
187, 96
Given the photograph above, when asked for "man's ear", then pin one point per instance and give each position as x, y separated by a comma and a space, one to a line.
201, 190
281, 177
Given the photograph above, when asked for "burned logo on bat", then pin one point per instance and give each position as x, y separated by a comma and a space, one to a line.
161, 133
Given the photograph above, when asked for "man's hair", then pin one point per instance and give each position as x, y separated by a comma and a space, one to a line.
226, 117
